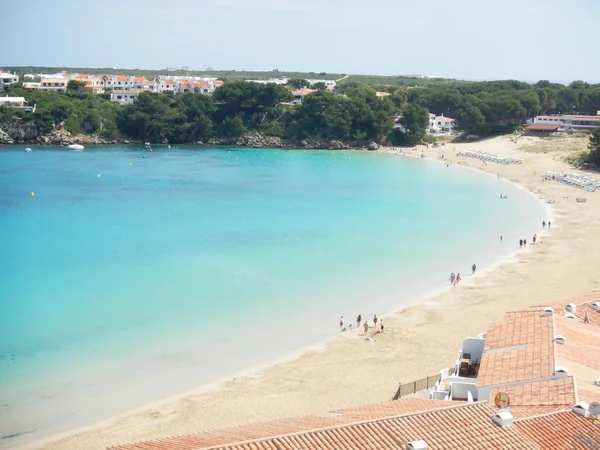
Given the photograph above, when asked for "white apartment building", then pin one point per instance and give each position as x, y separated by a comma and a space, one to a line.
52, 84
7, 78
125, 97
16, 103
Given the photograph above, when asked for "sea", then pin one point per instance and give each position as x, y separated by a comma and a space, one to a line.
128, 276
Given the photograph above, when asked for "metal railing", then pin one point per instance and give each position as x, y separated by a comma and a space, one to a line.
418, 385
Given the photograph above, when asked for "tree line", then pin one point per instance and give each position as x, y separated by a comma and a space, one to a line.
353, 113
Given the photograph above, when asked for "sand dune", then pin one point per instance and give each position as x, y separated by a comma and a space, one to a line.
418, 341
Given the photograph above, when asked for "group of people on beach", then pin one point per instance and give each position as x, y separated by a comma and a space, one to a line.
365, 324
455, 279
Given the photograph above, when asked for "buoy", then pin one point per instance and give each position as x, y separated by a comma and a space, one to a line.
98, 175
168, 146
129, 164
33, 194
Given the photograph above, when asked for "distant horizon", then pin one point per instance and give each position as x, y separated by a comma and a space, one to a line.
211, 69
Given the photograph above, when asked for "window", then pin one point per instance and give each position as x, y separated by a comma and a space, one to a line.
118, 97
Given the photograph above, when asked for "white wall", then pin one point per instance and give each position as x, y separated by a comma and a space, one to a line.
459, 390
474, 346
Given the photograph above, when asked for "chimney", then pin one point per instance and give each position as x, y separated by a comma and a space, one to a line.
596, 305
561, 370
548, 312
571, 307
416, 445
503, 419
560, 339
581, 408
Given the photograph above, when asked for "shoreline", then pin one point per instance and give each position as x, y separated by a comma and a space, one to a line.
84, 437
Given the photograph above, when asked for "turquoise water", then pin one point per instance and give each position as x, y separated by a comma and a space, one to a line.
188, 264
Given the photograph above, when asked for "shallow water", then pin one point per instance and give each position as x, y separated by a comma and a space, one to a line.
188, 264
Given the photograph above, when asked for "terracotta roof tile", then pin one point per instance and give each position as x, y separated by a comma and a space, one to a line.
565, 430
464, 426
520, 348
533, 399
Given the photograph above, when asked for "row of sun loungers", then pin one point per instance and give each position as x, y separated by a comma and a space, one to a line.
575, 180
491, 157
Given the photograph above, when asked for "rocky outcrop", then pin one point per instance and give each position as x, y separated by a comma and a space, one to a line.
19, 132
57, 136
5, 138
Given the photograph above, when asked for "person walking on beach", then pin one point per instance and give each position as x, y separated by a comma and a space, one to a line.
473, 268
524, 241
375, 320
381, 326
452, 278
457, 279
341, 321
520, 242
534, 238
366, 327
543, 224
549, 224
500, 238
358, 321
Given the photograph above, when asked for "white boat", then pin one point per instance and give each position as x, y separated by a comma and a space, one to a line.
76, 147
27, 149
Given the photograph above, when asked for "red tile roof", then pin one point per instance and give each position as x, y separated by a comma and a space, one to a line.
561, 431
519, 349
532, 399
542, 127
464, 426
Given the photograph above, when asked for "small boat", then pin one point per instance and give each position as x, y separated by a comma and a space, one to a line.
76, 147
27, 149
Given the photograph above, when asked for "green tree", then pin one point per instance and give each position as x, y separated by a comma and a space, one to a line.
415, 120
76, 85
319, 86
594, 147
298, 83
61, 111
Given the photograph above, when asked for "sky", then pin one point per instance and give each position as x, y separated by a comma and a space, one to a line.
526, 40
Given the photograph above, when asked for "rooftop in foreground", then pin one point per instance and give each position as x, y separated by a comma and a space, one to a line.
449, 426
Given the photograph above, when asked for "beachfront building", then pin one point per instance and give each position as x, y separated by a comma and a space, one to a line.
534, 357
566, 122
16, 103
440, 124
7, 78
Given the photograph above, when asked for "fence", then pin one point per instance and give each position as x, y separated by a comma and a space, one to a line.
419, 385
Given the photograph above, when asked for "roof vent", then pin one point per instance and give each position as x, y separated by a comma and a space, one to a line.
596, 306
548, 312
581, 408
571, 307
561, 370
570, 316
416, 445
560, 339
503, 419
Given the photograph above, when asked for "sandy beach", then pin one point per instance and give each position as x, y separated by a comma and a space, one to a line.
419, 340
